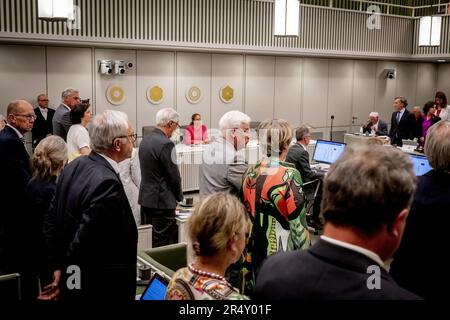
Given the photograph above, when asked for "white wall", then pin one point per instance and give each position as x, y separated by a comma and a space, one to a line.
302, 90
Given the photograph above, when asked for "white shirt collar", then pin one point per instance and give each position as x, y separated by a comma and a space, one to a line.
43, 110
370, 254
402, 112
302, 146
17, 131
65, 105
113, 164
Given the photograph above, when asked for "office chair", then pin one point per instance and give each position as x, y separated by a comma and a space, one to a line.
310, 200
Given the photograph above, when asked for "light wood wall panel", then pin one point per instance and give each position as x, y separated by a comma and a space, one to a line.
23, 74
426, 82
288, 86
227, 70
69, 68
193, 69
363, 92
315, 92
259, 87
340, 85
154, 68
443, 82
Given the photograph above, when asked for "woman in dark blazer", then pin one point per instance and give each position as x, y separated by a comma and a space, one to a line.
47, 162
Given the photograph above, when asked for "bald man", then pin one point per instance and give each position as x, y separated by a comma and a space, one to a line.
15, 174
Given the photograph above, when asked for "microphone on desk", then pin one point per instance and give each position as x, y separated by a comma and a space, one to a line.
331, 129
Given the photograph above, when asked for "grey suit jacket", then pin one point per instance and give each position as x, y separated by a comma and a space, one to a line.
61, 122
161, 180
222, 168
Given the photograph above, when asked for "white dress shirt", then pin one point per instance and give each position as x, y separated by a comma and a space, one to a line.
113, 164
44, 112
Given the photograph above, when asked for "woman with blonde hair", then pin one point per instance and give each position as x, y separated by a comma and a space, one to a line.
47, 162
217, 231
273, 196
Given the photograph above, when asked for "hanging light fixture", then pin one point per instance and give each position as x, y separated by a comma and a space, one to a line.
286, 18
55, 10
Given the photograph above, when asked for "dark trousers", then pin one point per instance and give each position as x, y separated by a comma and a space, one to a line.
164, 226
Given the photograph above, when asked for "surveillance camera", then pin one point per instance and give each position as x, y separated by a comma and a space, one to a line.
119, 67
105, 67
129, 65
391, 73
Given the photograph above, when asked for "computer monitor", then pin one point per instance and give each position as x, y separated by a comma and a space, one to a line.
156, 289
327, 151
420, 164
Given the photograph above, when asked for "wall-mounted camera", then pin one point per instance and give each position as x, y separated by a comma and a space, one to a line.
129, 65
105, 67
119, 67
391, 73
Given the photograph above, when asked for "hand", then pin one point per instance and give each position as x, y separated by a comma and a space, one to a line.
51, 291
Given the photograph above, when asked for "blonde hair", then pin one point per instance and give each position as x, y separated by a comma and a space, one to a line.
275, 136
437, 146
48, 158
214, 221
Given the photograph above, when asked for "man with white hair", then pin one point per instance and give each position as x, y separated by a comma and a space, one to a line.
61, 119
223, 166
161, 180
375, 125
94, 226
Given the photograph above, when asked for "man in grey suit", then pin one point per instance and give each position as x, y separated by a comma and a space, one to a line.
61, 120
223, 166
161, 181
298, 155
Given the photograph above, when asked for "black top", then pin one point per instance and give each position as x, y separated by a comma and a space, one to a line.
325, 271
42, 127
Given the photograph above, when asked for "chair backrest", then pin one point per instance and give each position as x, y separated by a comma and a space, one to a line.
167, 259
10, 287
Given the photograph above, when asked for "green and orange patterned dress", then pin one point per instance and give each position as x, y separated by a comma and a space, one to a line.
273, 196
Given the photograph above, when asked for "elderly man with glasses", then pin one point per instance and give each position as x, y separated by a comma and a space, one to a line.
95, 229
161, 180
43, 126
15, 172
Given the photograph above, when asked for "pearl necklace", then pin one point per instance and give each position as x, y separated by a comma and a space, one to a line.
206, 273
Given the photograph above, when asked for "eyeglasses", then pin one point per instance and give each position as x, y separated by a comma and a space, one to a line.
45, 100
177, 124
29, 117
132, 136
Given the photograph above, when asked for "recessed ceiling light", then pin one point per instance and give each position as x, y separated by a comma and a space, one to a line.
440, 60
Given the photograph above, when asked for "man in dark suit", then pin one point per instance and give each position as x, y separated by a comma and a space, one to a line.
43, 126
61, 119
94, 226
299, 156
417, 265
375, 125
161, 181
402, 122
365, 205
15, 172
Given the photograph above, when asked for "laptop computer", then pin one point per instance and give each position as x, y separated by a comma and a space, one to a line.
156, 288
327, 152
420, 164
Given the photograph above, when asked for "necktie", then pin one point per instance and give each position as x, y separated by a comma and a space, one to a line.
398, 116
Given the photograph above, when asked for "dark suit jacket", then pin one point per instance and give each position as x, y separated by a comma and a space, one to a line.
61, 122
382, 128
325, 271
15, 173
161, 180
95, 229
402, 130
418, 264
42, 127
300, 158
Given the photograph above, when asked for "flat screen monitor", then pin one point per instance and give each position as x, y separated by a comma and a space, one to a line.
327, 151
156, 289
420, 164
